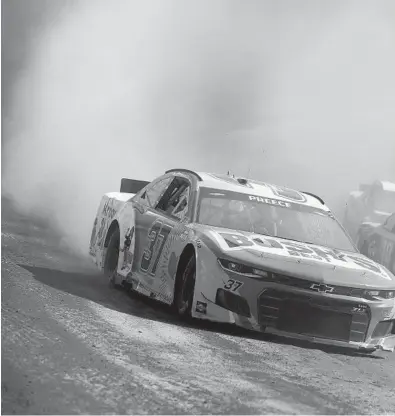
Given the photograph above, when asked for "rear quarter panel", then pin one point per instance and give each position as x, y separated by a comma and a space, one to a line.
110, 205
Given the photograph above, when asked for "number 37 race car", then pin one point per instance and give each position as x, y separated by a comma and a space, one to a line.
232, 250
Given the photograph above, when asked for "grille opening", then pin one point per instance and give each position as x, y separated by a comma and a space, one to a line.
317, 316
232, 302
383, 329
302, 318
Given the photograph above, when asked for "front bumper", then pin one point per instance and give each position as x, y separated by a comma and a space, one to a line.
384, 344
328, 319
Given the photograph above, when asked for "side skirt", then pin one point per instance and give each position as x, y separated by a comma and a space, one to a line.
132, 283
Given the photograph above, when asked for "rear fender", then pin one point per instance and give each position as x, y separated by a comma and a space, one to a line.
109, 207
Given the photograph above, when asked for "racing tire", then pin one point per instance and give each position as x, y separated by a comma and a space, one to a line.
371, 249
185, 289
364, 248
111, 259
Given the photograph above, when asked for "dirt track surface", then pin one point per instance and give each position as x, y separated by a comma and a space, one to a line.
72, 345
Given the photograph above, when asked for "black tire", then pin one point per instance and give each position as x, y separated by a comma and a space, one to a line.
185, 288
364, 247
371, 249
111, 259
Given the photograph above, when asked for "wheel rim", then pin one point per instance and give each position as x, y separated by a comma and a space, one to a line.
372, 249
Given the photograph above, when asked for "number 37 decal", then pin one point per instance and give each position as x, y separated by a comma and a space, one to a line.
157, 237
233, 285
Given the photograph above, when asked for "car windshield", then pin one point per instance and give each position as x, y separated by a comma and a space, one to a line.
385, 202
239, 211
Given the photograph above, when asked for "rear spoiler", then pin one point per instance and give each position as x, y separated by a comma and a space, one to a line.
132, 186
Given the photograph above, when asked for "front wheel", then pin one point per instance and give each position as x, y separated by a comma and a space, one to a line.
185, 289
111, 258
372, 249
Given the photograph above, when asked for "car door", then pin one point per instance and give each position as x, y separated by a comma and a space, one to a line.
355, 212
171, 209
363, 206
133, 218
145, 215
380, 245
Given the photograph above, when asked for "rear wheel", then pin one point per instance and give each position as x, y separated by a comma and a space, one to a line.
111, 258
185, 288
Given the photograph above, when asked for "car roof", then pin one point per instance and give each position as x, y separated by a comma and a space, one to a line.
254, 187
388, 186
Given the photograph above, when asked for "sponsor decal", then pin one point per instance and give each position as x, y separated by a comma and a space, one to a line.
236, 240
301, 250
269, 201
198, 243
359, 308
108, 209
101, 234
183, 233
297, 249
367, 264
127, 253
93, 237
285, 199
201, 307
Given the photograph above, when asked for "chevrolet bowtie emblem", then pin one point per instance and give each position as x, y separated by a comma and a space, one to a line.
322, 288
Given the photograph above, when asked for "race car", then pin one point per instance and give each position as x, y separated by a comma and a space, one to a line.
371, 204
377, 241
240, 251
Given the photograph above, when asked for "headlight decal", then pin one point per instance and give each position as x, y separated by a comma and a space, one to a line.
379, 294
243, 269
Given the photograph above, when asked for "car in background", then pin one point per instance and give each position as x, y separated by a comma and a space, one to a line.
377, 241
371, 204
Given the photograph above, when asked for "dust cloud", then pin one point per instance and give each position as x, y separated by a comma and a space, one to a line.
296, 93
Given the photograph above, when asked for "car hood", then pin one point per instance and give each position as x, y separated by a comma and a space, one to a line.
306, 261
377, 216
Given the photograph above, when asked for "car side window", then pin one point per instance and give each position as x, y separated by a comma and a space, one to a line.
152, 193
181, 208
175, 201
389, 224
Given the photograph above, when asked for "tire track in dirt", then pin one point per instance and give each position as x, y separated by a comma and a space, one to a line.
72, 345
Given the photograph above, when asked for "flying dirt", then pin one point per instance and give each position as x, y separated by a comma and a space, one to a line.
71, 345
299, 96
